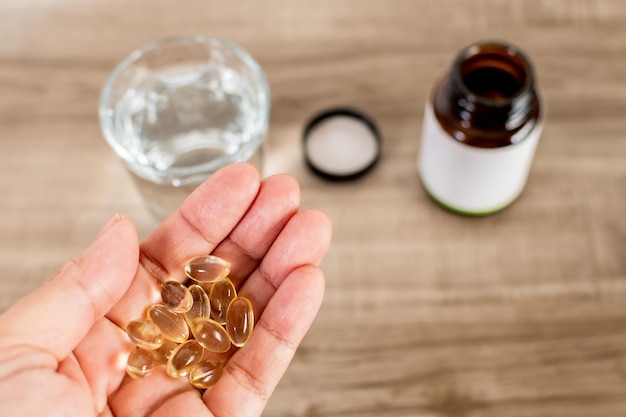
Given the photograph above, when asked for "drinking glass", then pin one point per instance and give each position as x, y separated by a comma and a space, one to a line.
178, 109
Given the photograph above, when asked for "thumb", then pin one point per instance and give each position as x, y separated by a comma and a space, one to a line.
58, 315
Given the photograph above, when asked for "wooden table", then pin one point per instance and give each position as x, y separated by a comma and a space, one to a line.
426, 313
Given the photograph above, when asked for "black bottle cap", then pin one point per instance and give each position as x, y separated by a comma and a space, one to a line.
341, 144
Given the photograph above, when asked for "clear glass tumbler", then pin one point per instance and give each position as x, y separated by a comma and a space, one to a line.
178, 109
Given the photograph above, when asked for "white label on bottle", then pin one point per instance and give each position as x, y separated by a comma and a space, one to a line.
470, 179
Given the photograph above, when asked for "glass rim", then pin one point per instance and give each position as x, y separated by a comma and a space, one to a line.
104, 104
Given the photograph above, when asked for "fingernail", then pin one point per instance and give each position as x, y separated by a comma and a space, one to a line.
109, 223
327, 214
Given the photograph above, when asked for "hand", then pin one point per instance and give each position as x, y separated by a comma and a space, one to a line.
63, 347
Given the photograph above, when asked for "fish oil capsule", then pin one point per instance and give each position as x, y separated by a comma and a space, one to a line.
163, 353
140, 363
176, 296
145, 334
220, 296
207, 269
206, 373
183, 358
210, 335
172, 325
239, 321
201, 307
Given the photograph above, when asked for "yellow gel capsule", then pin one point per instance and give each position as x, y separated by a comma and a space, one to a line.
172, 325
163, 353
140, 363
206, 373
176, 296
201, 307
145, 334
220, 296
183, 358
210, 335
239, 321
207, 269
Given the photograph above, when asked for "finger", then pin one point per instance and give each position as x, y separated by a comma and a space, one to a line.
204, 220
189, 401
156, 393
59, 314
102, 355
253, 372
303, 241
278, 200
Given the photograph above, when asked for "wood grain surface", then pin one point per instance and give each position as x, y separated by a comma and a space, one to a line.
519, 314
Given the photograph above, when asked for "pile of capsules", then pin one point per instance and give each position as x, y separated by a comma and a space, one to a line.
192, 325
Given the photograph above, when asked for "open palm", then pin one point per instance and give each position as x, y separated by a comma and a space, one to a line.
63, 348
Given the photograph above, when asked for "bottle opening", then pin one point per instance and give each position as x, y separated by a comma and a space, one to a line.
492, 79
494, 72
488, 96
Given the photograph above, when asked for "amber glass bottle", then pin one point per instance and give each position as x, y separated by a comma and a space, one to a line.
480, 130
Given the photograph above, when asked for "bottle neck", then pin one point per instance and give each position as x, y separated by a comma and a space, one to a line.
489, 92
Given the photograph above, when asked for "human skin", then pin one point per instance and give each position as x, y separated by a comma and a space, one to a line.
63, 346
